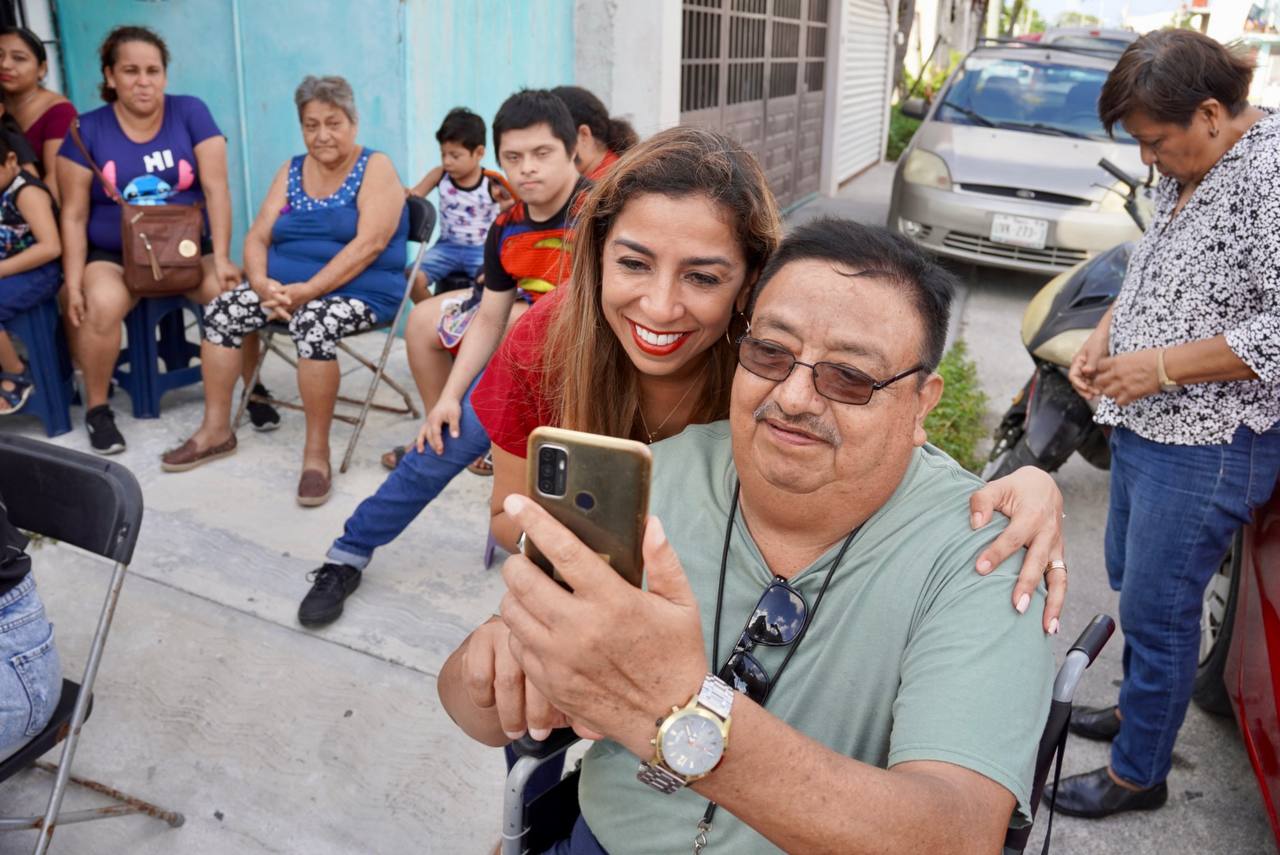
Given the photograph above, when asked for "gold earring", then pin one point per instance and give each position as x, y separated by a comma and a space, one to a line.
1213, 132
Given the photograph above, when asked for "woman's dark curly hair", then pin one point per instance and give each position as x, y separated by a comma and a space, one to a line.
109, 53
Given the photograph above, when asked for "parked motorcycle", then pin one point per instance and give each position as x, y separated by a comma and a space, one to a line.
1048, 421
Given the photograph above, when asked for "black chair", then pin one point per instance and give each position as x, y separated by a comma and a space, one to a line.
96, 505
551, 815
422, 222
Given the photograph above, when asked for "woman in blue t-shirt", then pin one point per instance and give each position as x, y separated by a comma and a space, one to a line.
326, 254
155, 149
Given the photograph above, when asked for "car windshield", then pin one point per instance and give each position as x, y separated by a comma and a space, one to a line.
1027, 95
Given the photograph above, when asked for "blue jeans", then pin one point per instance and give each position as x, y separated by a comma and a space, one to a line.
1174, 510
30, 672
23, 291
445, 258
407, 491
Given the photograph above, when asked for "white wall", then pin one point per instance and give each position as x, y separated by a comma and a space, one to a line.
40, 21
628, 53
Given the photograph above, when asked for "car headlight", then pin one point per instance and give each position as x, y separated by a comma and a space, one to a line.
925, 167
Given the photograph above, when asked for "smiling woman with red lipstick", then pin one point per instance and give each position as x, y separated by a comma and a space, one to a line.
640, 344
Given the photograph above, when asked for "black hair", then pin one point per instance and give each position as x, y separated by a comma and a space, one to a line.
587, 109
1168, 74
109, 52
30, 39
5, 148
462, 127
873, 251
530, 107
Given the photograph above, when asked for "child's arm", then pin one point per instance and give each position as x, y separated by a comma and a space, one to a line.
428, 182
37, 209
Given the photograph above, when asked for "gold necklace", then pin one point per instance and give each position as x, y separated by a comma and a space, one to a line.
653, 434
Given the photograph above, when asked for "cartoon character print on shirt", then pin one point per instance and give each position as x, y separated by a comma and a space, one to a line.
150, 188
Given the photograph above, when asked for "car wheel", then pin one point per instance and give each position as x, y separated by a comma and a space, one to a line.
1217, 616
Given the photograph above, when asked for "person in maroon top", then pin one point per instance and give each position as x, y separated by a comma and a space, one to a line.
43, 115
602, 139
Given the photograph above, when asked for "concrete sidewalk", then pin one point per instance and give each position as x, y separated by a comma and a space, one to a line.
213, 701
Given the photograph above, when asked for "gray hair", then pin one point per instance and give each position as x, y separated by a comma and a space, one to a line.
331, 89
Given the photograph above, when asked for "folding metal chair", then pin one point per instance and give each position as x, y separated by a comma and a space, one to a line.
95, 504
422, 221
536, 825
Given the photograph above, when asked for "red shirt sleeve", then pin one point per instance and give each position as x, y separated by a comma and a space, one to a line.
57, 120
509, 399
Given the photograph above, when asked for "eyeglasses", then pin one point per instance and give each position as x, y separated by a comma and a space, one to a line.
841, 383
778, 620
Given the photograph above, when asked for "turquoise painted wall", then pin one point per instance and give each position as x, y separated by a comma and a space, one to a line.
409, 62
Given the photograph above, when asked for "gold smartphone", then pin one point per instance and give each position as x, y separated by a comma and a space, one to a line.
598, 488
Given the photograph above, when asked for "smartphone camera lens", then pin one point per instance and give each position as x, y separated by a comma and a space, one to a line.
552, 470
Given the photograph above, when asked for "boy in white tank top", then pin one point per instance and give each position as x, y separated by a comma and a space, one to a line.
470, 197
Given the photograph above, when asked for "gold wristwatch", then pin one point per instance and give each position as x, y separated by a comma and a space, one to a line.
691, 741
1166, 385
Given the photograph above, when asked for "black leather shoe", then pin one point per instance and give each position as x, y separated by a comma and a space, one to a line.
1094, 795
1100, 723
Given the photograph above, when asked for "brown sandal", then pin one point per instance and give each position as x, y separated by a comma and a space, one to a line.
314, 488
187, 456
482, 465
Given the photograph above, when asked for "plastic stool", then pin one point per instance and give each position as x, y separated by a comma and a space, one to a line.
38, 328
138, 370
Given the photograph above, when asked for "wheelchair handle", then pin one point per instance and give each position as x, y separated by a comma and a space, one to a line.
560, 739
1081, 656
1095, 637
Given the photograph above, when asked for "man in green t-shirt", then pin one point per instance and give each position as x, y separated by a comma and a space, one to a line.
813, 652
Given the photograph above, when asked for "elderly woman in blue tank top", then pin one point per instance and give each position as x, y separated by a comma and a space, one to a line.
326, 253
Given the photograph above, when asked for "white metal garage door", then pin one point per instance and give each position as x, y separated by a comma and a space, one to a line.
863, 86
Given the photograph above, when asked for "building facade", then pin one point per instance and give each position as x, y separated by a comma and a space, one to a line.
804, 84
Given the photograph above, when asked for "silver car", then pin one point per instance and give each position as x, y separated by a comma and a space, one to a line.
1004, 170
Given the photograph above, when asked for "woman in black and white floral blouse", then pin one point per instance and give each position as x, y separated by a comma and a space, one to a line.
1187, 369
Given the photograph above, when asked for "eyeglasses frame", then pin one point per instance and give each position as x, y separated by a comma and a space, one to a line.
876, 385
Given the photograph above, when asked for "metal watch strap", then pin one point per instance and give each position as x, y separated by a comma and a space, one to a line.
715, 695
659, 778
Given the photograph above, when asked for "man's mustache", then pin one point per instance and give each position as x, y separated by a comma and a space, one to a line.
806, 422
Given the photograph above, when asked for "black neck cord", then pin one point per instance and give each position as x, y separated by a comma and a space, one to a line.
795, 645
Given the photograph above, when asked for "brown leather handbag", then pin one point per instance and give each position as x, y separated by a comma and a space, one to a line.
161, 243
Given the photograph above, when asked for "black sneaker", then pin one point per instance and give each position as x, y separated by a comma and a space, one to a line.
330, 585
104, 436
262, 415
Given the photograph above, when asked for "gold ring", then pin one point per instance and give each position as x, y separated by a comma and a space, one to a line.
1056, 565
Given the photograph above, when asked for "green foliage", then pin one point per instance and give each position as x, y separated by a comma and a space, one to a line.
955, 425
901, 130
931, 78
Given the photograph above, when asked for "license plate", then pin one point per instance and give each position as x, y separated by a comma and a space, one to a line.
1019, 231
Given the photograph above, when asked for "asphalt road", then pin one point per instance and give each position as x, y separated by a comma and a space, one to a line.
1214, 805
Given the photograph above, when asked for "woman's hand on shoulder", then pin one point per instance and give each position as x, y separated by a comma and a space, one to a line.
1032, 502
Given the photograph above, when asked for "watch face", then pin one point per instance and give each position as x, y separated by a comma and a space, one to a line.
692, 745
